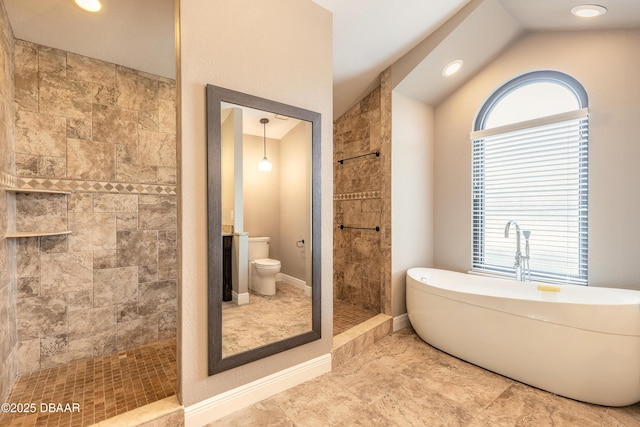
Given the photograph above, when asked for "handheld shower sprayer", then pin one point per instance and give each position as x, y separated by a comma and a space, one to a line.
525, 258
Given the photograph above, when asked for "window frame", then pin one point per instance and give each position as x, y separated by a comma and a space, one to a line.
531, 77
478, 197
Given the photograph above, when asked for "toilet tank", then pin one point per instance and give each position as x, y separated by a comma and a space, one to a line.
258, 247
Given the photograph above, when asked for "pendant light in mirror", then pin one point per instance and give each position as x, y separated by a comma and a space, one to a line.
89, 5
265, 164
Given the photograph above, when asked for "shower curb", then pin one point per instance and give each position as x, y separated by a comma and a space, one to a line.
353, 341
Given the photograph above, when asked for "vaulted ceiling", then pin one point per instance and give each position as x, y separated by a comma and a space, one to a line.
369, 35
359, 25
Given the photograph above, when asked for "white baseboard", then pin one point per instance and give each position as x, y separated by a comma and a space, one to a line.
401, 322
290, 280
246, 395
240, 299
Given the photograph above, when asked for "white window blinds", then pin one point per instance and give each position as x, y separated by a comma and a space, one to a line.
534, 173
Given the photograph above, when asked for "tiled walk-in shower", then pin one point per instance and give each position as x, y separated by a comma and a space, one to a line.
88, 236
100, 388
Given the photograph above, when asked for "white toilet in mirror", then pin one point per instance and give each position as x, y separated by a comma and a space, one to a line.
262, 269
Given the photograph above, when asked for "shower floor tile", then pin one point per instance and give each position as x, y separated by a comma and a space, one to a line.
346, 316
95, 389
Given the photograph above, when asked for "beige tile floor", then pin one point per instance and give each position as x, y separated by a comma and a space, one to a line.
401, 381
268, 319
265, 319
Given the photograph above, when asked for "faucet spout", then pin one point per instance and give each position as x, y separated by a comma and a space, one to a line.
518, 258
506, 234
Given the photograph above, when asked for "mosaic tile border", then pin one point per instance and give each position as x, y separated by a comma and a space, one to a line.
357, 196
7, 180
94, 186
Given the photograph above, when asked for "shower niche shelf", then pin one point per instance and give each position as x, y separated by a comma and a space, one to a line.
32, 191
21, 234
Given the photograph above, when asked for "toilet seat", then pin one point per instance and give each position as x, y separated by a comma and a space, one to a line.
267, 263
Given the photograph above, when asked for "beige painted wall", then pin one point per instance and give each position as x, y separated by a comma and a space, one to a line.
607, 64
262, 191
228, 136
221, 41
277, 203
295, 200
411, 192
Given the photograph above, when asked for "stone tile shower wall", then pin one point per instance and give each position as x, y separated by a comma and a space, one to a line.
8, 335
362, 199
106, 134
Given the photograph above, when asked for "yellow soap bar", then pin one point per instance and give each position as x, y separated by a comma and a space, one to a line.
548, 288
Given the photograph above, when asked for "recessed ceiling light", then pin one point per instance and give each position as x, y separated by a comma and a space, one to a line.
588, 10
452, 67
89, 5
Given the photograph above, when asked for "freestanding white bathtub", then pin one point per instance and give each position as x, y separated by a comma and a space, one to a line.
575, 341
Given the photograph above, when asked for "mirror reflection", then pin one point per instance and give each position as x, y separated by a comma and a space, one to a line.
264, 263
266, 227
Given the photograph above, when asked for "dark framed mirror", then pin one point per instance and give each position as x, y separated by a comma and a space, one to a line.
264, 262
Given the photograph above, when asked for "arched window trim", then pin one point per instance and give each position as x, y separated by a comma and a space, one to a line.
531, 77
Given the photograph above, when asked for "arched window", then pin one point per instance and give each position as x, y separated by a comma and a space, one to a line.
530, 165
